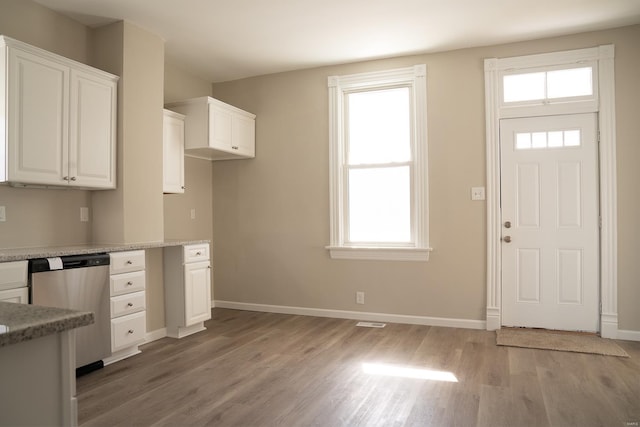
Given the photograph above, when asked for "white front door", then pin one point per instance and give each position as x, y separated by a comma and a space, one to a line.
550, 246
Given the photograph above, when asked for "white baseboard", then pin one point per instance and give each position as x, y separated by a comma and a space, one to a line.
628, 335
155, 335
355, 315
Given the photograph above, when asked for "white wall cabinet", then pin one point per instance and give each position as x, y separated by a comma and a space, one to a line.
60, 120
128, 306
187, 289
215, 130
13, 282
173, 152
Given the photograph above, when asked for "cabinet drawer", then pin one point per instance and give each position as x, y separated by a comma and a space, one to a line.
127, 330
124, 262
18, 295
127, 304
127, 283
13, 274
194, 253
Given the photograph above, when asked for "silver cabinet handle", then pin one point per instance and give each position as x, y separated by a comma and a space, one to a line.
66, 178
198, 253
235, 147
129, 283
507, 239
129, 262
73, 178
130, 304
507, 224
130, 331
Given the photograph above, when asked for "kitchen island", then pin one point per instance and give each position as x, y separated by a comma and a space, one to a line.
37, 364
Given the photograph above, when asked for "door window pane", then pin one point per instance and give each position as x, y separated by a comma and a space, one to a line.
378, 128
380, 205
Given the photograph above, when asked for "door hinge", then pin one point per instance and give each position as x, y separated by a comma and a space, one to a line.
600, 221
598, 137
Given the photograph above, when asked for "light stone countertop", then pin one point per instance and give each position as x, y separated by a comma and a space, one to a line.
19, 254
22, 322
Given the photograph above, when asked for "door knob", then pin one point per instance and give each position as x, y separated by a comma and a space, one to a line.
507, 239
507, 224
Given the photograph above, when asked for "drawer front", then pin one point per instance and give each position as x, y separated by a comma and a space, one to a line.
127, 283
124, 262
128, 330
195, 253
13, 274
127, 304
18, 295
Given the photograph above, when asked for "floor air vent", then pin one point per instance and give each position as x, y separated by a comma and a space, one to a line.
371, 324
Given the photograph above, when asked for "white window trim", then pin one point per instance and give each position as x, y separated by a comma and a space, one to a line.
338, 86
605, 106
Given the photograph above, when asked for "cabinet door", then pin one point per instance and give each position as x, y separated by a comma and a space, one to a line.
38, 119
220, 128
197, 283
244, 136
92, 131
173, 153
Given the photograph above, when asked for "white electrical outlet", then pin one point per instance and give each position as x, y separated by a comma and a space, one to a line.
3, 214
359, 297
477, 193
193, 213
84, 214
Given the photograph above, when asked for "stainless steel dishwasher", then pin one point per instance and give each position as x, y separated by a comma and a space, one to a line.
78, 282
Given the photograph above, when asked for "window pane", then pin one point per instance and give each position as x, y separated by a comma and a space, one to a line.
380, 205
379, 126
555, 139
539, 139
523, 87
571, 138
570, 82
523, 141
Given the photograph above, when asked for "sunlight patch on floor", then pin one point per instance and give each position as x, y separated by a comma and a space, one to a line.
407, 372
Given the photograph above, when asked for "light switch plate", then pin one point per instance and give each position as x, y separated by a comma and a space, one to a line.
84, 214
193, 213
477, 193
3, 214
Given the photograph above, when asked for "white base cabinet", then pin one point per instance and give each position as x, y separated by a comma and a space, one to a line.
13, 282
128, 304
187, 289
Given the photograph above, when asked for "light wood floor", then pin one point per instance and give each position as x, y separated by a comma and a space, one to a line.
262, 369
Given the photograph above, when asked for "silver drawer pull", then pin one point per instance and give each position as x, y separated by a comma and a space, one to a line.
130, 331
130, 304
73, 178
129, 262
198, 253
129, 283
65, 178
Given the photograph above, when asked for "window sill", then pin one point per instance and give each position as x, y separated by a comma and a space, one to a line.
379, 254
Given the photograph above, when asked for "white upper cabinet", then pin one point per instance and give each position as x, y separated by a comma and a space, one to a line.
173, 152
60, 120
215, 130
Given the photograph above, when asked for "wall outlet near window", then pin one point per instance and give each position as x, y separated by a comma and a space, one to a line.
84, 214
359, 297
193, 213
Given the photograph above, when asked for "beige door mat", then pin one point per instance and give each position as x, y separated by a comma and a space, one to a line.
558, 340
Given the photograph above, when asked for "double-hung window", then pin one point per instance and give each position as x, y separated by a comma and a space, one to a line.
378, 165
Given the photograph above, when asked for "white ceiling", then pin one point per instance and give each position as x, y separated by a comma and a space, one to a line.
222, 40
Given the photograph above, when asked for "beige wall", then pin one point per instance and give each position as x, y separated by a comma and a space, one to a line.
43, 217
271, 213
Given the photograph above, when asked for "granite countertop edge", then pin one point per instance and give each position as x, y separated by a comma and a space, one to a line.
22, 322
21, 254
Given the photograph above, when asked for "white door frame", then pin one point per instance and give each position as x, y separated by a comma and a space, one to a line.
605, 106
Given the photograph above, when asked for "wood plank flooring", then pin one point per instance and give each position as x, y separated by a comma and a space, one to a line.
264, 369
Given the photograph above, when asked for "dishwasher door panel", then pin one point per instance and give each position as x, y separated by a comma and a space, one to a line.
85, 289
